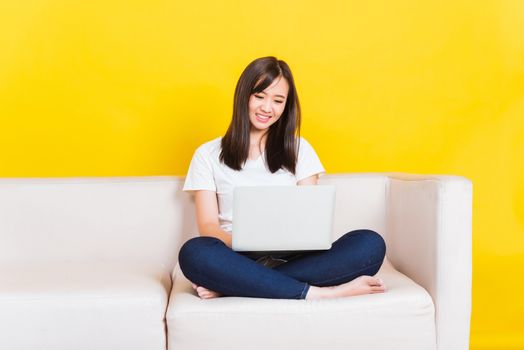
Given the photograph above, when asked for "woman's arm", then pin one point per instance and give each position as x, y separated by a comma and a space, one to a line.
207, 216
312, 180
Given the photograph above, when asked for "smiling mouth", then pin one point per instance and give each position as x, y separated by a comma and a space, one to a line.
262, 118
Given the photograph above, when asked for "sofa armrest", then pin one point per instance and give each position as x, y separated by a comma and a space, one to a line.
429, 239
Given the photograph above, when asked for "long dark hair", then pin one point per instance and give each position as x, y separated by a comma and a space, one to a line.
283, 136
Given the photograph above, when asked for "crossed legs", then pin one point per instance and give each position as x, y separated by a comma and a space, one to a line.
345, 269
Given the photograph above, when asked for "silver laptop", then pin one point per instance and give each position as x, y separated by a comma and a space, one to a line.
283, 219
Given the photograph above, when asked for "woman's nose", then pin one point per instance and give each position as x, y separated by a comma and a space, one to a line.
266, 106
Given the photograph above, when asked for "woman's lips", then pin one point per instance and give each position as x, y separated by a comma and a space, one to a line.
261, 118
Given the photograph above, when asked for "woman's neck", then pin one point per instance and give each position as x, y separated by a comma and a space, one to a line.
257, 138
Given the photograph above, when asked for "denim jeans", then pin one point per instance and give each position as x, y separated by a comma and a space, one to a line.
208, 262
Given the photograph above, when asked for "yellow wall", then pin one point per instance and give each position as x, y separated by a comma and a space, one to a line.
109, 87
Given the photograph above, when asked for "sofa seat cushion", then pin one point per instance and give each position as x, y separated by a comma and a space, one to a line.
83, 306
401, 318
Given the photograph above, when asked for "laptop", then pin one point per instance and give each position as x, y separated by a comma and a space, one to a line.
282, 219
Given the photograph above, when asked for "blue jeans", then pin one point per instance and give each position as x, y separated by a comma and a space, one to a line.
208, 262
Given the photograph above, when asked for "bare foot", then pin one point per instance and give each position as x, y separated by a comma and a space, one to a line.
205, 293
358, 286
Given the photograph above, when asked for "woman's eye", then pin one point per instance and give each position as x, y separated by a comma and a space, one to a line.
258, 96
279, 102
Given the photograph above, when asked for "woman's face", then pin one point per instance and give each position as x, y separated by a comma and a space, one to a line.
266, 107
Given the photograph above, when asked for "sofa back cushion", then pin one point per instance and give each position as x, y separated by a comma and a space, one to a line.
360, 202
84, 219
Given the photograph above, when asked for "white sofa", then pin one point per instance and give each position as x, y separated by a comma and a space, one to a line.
90, 263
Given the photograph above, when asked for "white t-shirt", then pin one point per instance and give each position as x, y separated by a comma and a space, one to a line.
206, 172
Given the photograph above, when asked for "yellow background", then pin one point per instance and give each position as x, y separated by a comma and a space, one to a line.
108, 87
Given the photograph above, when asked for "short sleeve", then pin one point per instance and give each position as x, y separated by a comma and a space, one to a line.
308, 163
200, 173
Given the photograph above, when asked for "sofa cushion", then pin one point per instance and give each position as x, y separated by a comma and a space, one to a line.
401, 318
120, 219
83, 306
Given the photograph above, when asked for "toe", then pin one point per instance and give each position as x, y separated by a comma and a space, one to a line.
378, 289
373, 281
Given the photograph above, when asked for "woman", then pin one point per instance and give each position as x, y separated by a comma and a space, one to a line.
262, 146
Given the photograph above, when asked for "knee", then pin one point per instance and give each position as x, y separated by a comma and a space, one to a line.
193, 249
376, 243
372, 242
